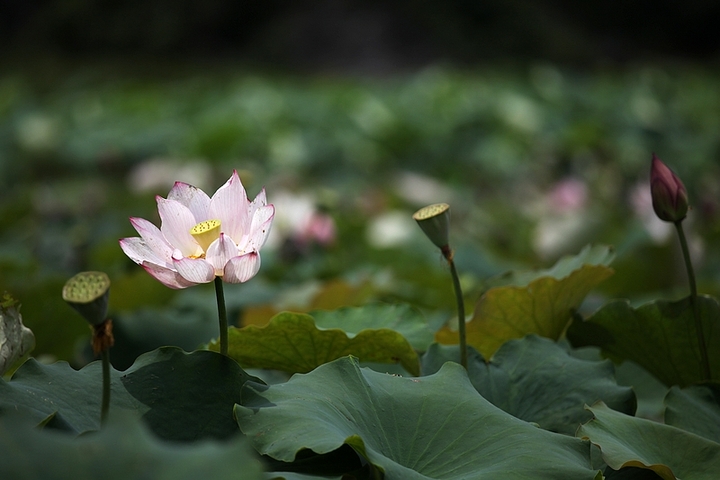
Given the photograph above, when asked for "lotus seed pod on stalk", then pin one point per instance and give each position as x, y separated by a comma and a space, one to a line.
434, 220
88, 292
669, 197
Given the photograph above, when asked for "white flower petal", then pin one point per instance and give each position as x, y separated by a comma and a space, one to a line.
153, 238
260, 227
177, 220
260, 201
196, 270
197, 201
243, 268
220, 252
166, 276
139, 251
230, 205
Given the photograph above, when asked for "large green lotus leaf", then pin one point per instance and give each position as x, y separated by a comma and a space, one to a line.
589, 255
123, 449
189, 395
402, 318
695, 409
411, 428
536, 380
660, 336
543, 306
69, 398
182, 396
635, 442
291, 342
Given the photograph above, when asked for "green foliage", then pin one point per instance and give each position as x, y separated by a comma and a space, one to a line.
429, 427
124, 449
297, 476
695, 409
634, 442
293, 343
536, 380
402, 318
541, 303
660, 336
56, 326
69, 159
181, 396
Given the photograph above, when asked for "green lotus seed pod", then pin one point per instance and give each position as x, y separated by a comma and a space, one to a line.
87, 292
434, 220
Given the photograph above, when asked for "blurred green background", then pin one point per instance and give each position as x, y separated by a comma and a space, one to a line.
535, 120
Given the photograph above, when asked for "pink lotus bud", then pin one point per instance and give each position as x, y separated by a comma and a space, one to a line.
669, 197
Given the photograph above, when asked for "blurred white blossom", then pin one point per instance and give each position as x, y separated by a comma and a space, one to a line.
391, 229
160, 174
38, 132
641, 203
299, 220
562, 217
419, 189
520, 112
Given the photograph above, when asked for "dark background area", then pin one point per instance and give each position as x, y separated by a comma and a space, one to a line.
366, 36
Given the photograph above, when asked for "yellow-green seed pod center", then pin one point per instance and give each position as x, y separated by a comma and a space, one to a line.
431, 211
86, 287
206, 232
434, 220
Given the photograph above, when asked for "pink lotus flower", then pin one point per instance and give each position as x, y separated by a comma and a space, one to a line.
201, 238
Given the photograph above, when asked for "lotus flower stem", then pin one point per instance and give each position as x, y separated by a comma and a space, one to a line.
102, 340
694, 301
448, 254
105, 406
222, 315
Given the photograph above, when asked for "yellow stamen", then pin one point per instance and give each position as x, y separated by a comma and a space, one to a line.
206, 232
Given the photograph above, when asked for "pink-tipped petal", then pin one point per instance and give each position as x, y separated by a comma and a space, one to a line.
260, 227
139, 251
260, 201
220, 252
177, 220
230, 205
196, 270
197, 201
166, 276
153, 238
243, 268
